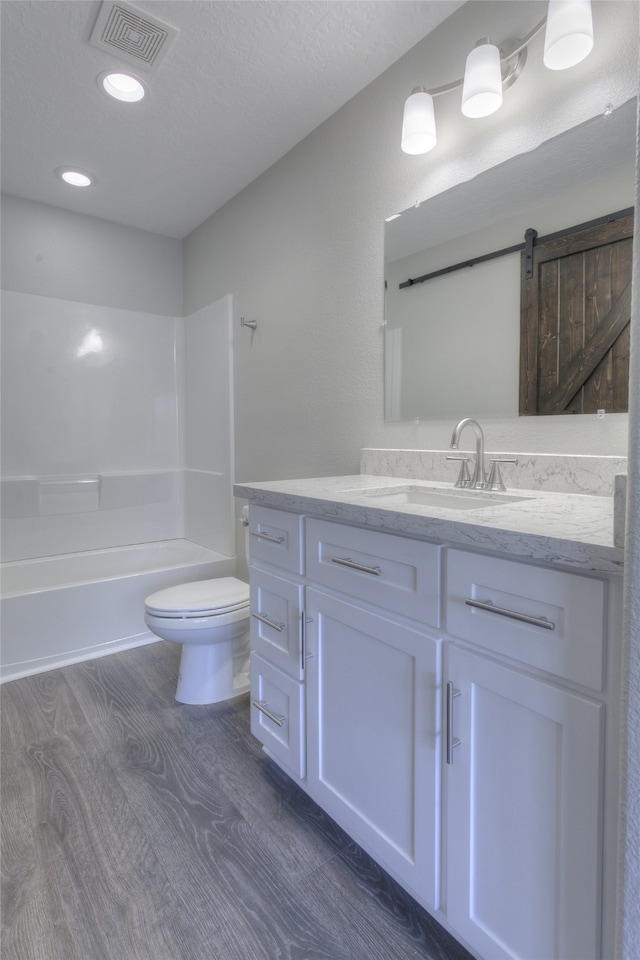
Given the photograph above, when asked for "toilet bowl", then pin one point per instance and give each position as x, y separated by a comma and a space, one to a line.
210, 618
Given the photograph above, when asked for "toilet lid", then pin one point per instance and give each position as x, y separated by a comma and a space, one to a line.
201, 597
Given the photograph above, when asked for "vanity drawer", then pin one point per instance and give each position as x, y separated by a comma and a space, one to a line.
548, 619
276, 628
276, 538
277, 714
401, 575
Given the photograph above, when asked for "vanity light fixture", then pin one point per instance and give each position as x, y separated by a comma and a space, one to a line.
490, 70
569, 36
482, 86
419, 122
75, 177
122, 86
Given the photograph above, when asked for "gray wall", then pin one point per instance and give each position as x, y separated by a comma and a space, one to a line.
301, 249
69, 256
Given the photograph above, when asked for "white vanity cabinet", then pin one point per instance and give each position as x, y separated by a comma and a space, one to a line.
523, 808
524, 759
277, 626
456, 713
373, 696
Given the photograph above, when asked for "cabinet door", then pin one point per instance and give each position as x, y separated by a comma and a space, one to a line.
276, 627
523, 831
373, 724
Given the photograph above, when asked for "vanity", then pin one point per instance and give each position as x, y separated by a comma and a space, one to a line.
442, 677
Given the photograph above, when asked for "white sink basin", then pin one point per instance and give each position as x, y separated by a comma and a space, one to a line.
449, 498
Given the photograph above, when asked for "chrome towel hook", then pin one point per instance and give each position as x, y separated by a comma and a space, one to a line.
248, 323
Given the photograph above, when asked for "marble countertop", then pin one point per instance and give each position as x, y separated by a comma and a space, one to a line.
558, 528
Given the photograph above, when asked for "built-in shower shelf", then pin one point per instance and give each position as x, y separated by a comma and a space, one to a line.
51, 496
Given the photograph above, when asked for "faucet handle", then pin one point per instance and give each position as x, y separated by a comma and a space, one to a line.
495, 479
464, 477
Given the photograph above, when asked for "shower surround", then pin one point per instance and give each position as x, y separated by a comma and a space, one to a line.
116, 428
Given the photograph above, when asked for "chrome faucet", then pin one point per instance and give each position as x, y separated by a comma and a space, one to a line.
479, 478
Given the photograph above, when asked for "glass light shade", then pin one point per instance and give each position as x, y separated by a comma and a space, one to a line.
569, 33
122, 86
482, 88
419, 123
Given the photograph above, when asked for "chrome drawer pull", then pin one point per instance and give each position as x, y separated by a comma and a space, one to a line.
266, 536
452, 742
304, 656
490, 607
261, 705
270, 623
347, 562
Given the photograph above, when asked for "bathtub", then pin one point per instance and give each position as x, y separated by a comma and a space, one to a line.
63, 609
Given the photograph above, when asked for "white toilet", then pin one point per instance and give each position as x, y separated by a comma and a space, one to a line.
210, 618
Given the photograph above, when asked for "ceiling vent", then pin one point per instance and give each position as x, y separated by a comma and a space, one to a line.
132, 35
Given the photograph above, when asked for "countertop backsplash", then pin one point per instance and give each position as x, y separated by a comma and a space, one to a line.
559, 473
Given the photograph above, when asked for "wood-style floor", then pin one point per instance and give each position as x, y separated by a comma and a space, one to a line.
137, 828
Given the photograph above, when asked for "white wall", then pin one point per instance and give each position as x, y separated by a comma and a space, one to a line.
116, 412
629, 902
68, 256
90, 316
89, 427
207, 427
302, 249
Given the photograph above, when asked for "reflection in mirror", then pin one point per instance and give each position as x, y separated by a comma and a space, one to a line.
452, 344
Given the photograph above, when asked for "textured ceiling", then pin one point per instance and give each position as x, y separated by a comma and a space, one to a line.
242, 84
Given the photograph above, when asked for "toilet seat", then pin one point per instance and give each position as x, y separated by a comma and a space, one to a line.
221, 597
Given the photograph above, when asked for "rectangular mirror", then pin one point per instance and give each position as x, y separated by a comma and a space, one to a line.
452, 343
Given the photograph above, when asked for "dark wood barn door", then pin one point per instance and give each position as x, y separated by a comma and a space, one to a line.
575, 313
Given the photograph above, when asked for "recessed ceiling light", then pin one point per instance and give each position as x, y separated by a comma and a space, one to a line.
75, 177
122, 86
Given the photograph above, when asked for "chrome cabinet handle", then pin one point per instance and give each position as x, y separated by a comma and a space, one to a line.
348, 562
266, 536
261, 705
304, 656
491, 607
270, 623
452, 742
